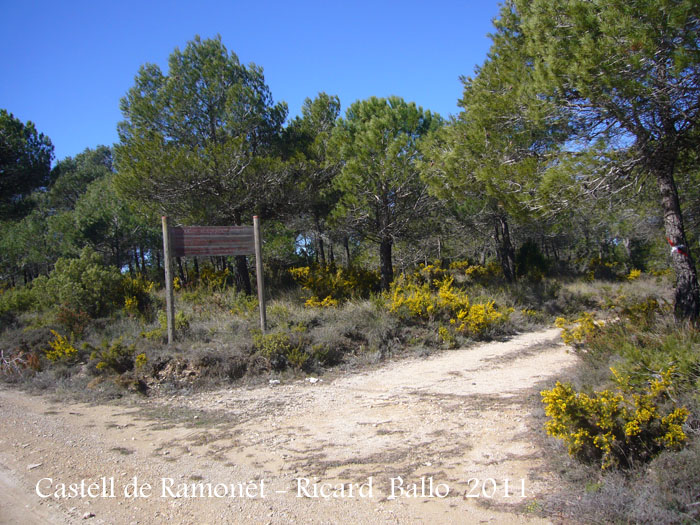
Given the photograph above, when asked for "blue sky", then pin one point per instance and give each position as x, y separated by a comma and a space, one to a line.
65, 64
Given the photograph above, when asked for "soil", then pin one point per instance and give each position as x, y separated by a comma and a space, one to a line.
454, 431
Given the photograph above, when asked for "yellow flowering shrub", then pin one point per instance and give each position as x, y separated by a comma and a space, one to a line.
137, 294
634, 275
314, 302
409, 299
579, 331
334, 284
429, 273
616, 428
459, 266
61, 348
140, 360
599, 268
214, 280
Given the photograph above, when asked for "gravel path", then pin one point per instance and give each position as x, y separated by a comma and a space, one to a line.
446, 436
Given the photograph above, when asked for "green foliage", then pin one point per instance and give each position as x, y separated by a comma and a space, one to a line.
381, 193
529, 261
16, 300
182, 326
280, 349
202, 132
616, 428
84, 283
632, 69
646, 343
25, 164
113, 357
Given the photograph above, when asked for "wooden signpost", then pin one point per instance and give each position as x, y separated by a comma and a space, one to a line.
210, 240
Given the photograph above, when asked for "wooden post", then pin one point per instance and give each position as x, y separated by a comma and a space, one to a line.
169, 298
259, 272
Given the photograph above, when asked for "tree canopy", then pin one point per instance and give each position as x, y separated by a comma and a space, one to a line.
25, 164
627, 73
380, 186
198, 133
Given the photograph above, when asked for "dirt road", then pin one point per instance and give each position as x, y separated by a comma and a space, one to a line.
437, 440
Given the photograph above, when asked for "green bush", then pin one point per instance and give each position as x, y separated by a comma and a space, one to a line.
182, 326
84, 283
16, 300
115, 356
282, 349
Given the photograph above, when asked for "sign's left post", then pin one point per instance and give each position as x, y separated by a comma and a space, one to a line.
169, 298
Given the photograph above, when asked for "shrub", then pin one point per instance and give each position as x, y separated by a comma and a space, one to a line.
408, 299
215, 280
182, 326
61, 349
601, 268
634, 275
640, 349
529, 261
484, 274
328, 302
114, 356
281, 349
140, 361
74, 321
616, 429
84, 284
137, 295
334, 283
16, 300
580, 331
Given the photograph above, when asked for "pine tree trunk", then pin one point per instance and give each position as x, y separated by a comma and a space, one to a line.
180, 271
346, 245
242, 279
504, 248
687, 292
321, 255
242, 275
386, 267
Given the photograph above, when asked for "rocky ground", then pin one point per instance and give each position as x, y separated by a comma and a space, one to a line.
444, 439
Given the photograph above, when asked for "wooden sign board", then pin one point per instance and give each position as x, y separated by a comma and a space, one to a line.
210, 240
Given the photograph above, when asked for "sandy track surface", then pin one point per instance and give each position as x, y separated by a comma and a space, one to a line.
435, 431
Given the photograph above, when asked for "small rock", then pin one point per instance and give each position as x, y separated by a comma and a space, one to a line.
88, 515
